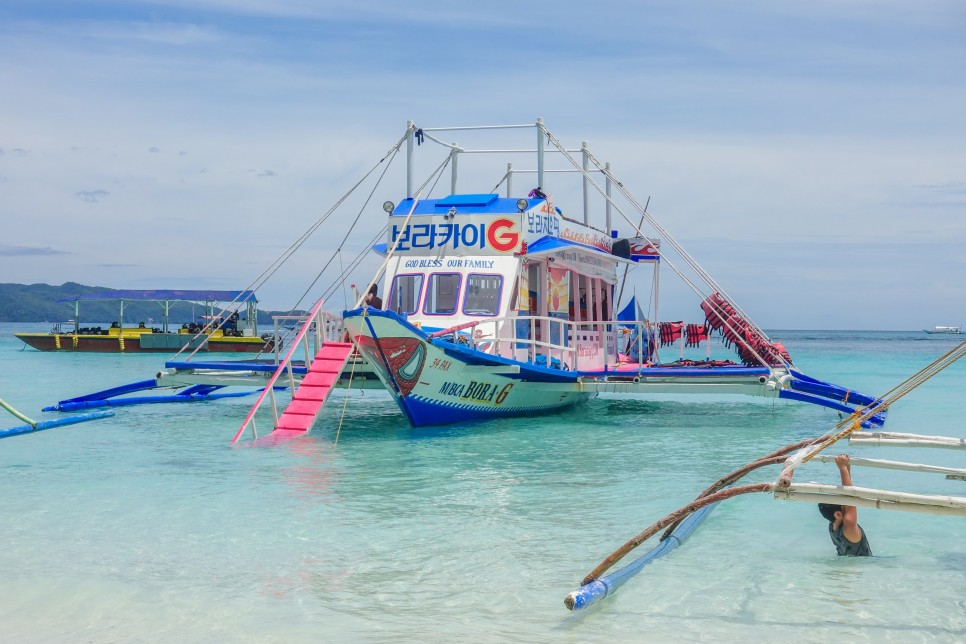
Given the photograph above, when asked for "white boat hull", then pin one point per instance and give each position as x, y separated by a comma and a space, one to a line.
434, 387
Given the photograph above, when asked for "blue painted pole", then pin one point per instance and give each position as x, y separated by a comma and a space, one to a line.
591, 593
56, 422
145, 400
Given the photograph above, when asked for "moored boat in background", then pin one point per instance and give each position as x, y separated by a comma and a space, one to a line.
233, 333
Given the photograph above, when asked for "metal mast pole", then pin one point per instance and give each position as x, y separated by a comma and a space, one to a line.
540, 153
409, 159
607, 191
509, 180
454, 158
585, 163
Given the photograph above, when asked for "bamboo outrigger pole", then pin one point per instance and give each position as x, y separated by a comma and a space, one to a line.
595, 587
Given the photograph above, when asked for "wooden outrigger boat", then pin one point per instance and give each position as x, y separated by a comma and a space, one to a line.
500, 303
235, 333
604, 580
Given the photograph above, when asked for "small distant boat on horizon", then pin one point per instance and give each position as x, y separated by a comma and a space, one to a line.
944, 330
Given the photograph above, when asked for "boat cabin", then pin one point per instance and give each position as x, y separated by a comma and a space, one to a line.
518, 278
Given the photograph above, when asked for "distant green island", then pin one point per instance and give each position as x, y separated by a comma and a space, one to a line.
38, 303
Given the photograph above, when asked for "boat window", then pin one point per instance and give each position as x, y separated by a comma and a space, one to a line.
483, 294
442, 293
404, 296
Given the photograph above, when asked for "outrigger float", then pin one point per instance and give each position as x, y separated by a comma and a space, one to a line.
32, 426
602, 581
500, 304
231, 334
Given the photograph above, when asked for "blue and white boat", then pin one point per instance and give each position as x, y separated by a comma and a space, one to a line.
502, 305
508, 302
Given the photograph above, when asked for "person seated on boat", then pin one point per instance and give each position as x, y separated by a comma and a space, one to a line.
115, 325
141, 325
843, 527
372, 299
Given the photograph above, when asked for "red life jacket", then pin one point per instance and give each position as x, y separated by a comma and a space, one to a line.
670, 332
695, 333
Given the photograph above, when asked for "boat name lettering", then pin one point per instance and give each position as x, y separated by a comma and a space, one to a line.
424, 263
543, 224
580, 258
500, 235
587, 238
442, 365
500, 397
470, 263
476, 391
437, 235
587, 350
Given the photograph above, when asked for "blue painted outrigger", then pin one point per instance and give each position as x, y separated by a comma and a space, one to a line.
32, 426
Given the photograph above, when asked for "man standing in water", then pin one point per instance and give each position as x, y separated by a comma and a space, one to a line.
843, 527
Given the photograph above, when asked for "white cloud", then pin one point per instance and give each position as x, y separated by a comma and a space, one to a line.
814, 139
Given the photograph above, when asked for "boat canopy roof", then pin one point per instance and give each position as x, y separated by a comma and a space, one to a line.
167, 295
548, 245
474, 204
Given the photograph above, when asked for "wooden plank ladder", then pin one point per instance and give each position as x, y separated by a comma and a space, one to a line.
322, 333
316, 385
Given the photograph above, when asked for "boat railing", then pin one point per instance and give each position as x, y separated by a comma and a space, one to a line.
547, 341
544, 340
313, 330
527, 338
322, 327
588, 345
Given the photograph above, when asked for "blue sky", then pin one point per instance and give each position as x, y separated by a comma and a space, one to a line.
812, 156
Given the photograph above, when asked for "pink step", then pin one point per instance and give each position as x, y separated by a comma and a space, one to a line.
313, 379
303, 407
278, 436
327, 365
300, 422
314, 388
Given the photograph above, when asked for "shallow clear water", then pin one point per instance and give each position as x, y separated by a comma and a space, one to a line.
149, 526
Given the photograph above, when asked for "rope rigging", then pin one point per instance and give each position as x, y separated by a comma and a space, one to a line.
260, 281
690, 261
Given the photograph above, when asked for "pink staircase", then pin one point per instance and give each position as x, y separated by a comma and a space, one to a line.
314, 388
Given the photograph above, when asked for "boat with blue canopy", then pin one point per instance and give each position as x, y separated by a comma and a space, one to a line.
507, 301
236, 331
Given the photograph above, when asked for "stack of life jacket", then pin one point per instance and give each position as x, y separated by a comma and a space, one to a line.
722, 317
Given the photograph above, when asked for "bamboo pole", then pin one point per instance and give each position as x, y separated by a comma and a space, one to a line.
897, 465
894, 439
778, 456
675, 516
872, 498
16, 413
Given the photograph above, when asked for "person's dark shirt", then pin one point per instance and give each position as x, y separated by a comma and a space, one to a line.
846, 548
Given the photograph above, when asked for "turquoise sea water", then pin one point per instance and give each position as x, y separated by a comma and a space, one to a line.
150, 526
